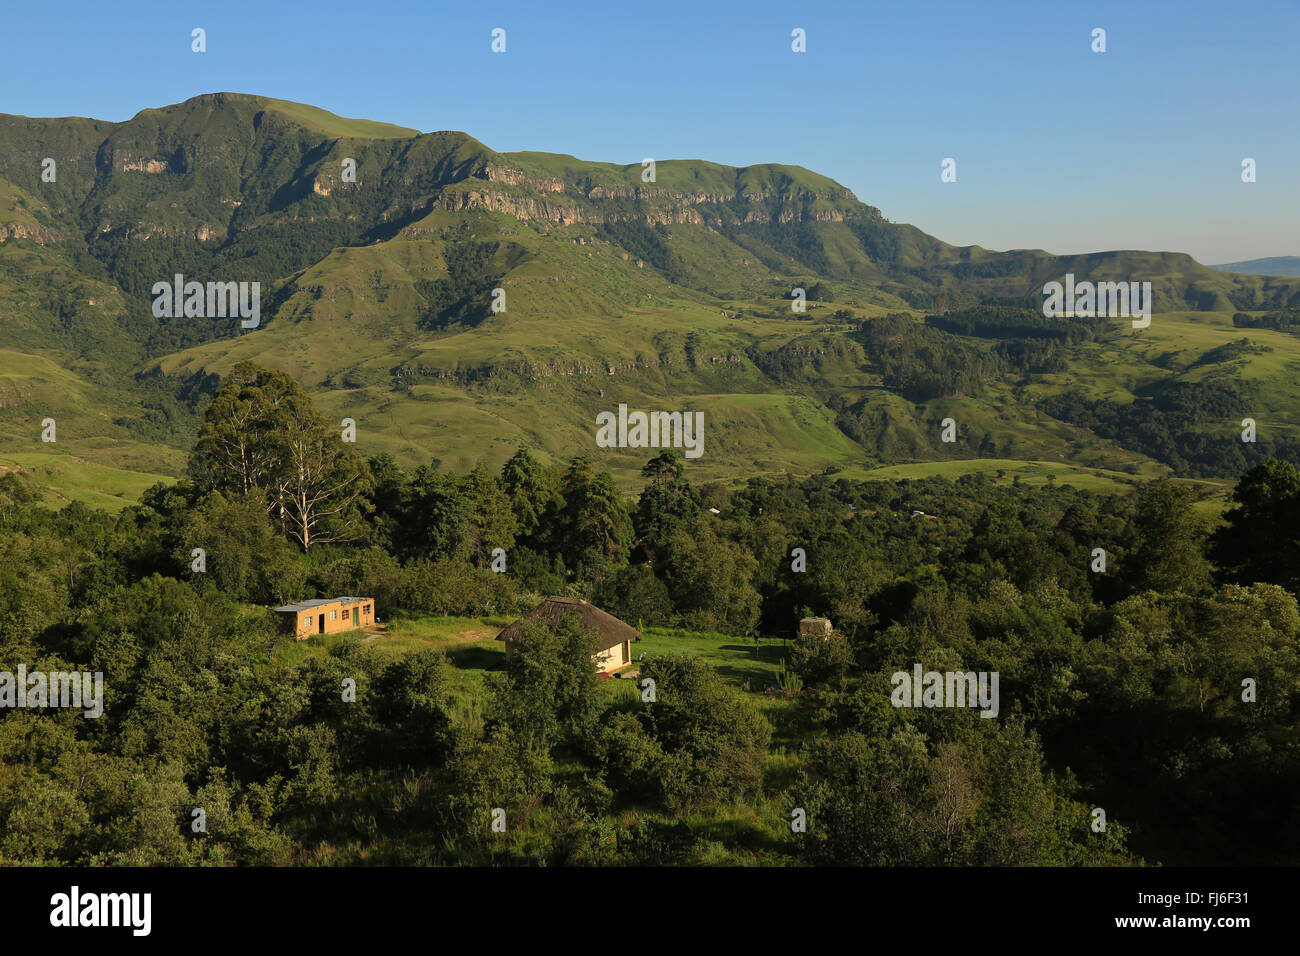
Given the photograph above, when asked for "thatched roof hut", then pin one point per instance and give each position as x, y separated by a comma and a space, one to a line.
815, 626
613, 637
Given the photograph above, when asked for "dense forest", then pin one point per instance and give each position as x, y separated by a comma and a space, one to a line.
1159, 682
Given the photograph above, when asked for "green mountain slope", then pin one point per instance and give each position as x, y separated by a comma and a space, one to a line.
377, 291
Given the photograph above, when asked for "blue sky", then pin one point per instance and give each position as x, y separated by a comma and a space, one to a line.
1057, 147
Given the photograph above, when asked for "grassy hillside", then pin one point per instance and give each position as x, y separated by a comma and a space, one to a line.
64, 478
673, 295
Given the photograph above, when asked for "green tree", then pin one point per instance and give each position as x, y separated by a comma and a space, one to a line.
370, 573
1260, 537
820, 660
412, 705
549, 691
390, 486
666, 501
709, 742
711, 579
1167, 553
533, 492
261, 432
635, 593
594, 530
492, 521
437, 522
244, 556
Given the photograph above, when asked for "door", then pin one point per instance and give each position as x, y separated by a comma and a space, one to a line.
356, 617
322, 622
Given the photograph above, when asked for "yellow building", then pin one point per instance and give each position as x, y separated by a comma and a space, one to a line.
326, 616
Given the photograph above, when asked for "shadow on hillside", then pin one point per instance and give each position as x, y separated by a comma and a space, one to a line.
473, 657
742, 834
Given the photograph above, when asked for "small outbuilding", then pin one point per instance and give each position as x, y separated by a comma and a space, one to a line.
613, 637
815, 627
326, 616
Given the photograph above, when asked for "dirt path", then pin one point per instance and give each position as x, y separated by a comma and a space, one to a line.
476, 634
466, 637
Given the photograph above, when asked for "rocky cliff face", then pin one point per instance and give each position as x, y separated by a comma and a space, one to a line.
37, 234
153, 166
539, 198
515, 177
522, 373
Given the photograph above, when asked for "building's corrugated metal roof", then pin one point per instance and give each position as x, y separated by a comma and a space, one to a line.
308, 605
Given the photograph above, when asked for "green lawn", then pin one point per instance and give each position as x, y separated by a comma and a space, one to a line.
735, 659
470, 643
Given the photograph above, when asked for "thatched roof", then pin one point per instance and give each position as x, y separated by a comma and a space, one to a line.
819, 626
609, 630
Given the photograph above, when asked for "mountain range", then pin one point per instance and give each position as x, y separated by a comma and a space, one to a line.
457, 303
1272, 266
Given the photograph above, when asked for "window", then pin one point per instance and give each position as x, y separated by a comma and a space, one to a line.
334, 615
309, 620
